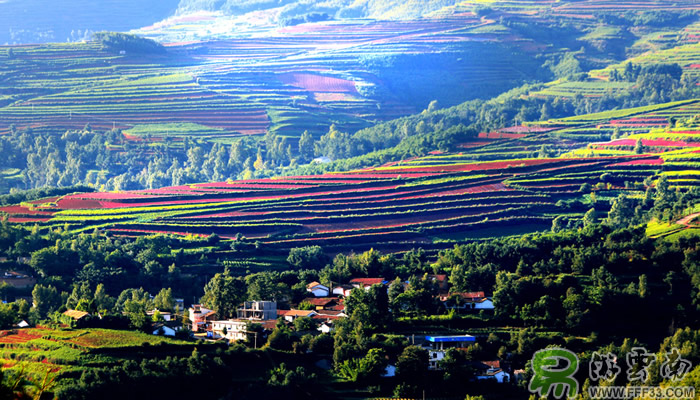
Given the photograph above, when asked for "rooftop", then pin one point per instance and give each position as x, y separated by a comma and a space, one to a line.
456, 338
368, 281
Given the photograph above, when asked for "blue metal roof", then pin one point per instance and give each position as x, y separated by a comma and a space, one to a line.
460, 338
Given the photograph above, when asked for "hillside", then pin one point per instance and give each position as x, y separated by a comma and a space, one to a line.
430, 202
235, 96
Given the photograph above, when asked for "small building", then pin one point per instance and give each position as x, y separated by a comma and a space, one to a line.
437, 346
483, 304
201, 318
76, 315
321, 160
260, 310
330, 314
179, 305
166, 315
440, 280
343, 290
367, 283
326, 327
389, 371
23, 324
291, 315
466, 301
325, 303
317, 289
164, 329
492, 370
18, 280
232, 329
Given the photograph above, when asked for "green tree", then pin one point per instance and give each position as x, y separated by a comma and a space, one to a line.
303, 324
46, 299
412, 364
308, 257
164, 300
589, 218
368, 307
366, 369
306, 147
223, 293
8, 316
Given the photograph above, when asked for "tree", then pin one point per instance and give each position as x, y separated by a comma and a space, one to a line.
308, 257
412, 364
7, 316
639, 147
281, 337
306, 147
368, 307
297, 379
366, 369
223, 293
164, 300
303, 324
103, 301
589, 217
454, 367
558, 224
46, 299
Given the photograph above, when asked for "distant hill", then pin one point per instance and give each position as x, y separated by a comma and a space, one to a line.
290, 10
41, 21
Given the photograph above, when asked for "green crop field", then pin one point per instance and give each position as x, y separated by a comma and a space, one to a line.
435, 199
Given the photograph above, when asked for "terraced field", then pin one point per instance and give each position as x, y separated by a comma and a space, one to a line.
43, 352
440, 198
287, 80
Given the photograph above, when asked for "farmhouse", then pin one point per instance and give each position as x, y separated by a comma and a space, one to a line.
366, 283
491, 370
165, 329
437, 346
291, 315
76, 315
233, 329
343, 290
18, 280
260, 310
326, 327
440, 280
466, 301
317, 289
201, 318
326, 303
166, 315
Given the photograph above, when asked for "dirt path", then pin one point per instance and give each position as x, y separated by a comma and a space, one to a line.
686, 220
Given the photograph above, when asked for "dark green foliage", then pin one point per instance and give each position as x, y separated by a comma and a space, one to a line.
115, 41
309, 257
223, 293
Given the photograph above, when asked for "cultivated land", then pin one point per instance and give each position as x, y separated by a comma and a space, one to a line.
493, 185
261, 77
288, 80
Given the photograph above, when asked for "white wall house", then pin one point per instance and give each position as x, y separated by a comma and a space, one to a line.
163, 330
343, 290
317, 289
484, 304
496, 374
232, 329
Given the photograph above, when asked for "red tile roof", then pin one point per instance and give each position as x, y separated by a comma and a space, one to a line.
321, 301
367, 281
439, 277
